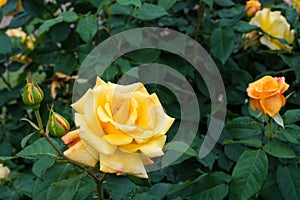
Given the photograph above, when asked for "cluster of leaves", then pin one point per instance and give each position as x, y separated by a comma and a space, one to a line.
252, 159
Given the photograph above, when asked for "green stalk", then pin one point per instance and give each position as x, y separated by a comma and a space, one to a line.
97, 179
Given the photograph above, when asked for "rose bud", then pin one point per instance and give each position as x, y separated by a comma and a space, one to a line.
57, 124
32, 95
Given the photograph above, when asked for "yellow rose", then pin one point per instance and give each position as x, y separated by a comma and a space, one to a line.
266, 94
4, 172
276, 27
28, 40
120, 126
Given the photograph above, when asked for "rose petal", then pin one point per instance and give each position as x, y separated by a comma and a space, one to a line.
118, 139
121, 162
93, 139
152, 148
79, 105
272, 105
79, 154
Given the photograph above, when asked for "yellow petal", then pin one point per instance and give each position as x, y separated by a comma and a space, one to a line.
99, 81
121, 114
93, 139
79, 154
79, 105
90, 114
152, 148
121, 162
118, 139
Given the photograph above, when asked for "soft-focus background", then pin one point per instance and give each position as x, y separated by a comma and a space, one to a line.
50, 39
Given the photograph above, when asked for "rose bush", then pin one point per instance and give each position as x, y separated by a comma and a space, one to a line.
121, 126
267, 94
256, 157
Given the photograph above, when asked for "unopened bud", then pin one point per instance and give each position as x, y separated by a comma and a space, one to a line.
32, 95
57, 124
252, 6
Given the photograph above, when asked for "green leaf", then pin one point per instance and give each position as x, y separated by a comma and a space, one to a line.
66, 63
248, 175
87, 27
24, 184
278, 149
38, 149
69, 16
293, 62
60, 32
210, 3
41, 166
180, 147
54, 174
113, 183
291, 116
251, 142
6, 158
31, 123
64, 190
25, 139
6, 45
140, 58
34, 7
149, 12
243, 127
47, 24
209, 186
20, 20
118, 9
291, 133
244, 27
278, 119
225, 3
136, 3
288, 179
221, 43
86, 189
166, 4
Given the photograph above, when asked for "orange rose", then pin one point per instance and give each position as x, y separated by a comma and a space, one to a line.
252, 6
266, 94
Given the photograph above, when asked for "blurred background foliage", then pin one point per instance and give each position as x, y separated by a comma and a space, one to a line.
243, 164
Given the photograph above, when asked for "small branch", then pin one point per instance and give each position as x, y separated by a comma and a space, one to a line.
271, 129
99, 186
41, 130
199, 17
6, 82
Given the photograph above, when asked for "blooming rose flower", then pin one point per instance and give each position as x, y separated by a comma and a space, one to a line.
28, 40
252, 6
266, 94
4, 172
2, 3
121, 126
275, 26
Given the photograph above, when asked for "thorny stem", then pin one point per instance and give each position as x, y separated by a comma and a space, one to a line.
199, 17
6, 82
95, 176
271, 129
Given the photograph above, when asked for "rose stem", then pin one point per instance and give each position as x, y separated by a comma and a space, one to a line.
98, 180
